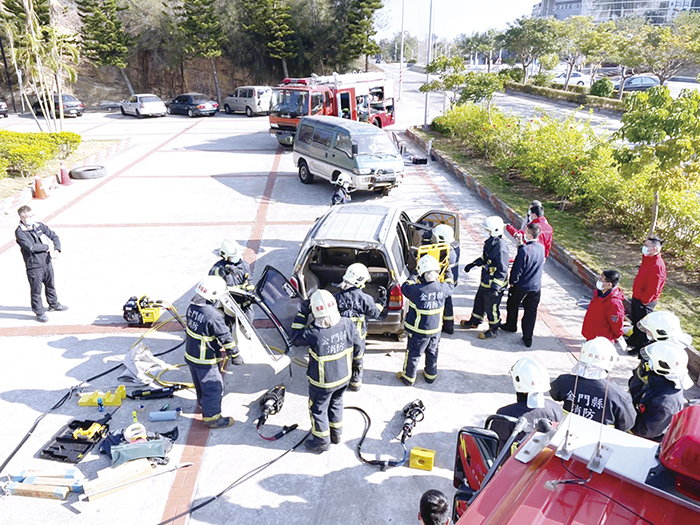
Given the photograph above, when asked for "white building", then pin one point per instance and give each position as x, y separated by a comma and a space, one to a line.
658, 11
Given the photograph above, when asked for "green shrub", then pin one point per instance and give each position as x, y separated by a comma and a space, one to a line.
577, 98
3, 167
575, 88
439, 124
412, 61
513, 74
26, 153
66, 142
603, 87
542, 79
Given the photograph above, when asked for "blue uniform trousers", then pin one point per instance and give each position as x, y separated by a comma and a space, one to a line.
210, 387
417, 345
326, 410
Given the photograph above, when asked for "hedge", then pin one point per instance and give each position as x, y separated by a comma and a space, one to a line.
578, 98
24, 154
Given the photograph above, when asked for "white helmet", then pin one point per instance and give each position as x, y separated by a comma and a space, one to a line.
324, 306
212, 288
661, 326
529, 376
231, 251
667, 358
428, 263
357, 274
599, 352
344, 180
494, 225
443, 233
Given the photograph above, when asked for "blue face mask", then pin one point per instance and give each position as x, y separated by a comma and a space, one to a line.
30, 222
645, 250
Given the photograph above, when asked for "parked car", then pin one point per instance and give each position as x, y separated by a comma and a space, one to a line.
382, 237
3, 108
253, 100
577, 79
637, 83
72, 107
193, 105
143, 105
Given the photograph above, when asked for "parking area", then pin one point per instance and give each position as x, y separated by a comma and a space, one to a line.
171, 196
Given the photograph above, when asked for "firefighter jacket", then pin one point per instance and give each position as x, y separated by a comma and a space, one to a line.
34, 243
300, 321
656, 403
234, 274
426, 301
207, 334
551, 411
357, 305
331, 353
527, 268
340, 196
494, 264
605, 315
546, 233
588, 400
454, 261
650, 279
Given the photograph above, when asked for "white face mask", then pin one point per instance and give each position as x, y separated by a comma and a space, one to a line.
30, 221
599, 285
645, 250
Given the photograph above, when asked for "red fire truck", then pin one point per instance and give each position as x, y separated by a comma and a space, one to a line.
366, 97
580, 472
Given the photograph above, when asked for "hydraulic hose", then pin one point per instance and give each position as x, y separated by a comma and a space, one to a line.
383, 464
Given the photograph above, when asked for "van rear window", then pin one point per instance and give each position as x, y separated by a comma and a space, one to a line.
322, 137
305, 133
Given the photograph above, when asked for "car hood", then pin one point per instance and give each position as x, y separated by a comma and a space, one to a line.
380, 162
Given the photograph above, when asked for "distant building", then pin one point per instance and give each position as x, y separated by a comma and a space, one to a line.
658, 11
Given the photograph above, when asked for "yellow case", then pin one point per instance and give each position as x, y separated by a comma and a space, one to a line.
422, 458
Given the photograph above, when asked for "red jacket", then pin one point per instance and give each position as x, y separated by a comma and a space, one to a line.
546, 233
650, 279
605, 316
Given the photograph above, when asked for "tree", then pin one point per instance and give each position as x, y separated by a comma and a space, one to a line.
201, 33
599, 46
664, 137
528, 39
488, 43
481, 86
627, 41
572, 36
104, 40
452, 76
357, 40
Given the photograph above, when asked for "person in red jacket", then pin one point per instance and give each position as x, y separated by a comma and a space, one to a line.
535, 215
647, 288
606, 312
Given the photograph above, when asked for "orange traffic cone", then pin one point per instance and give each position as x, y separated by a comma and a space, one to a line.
65, 177
39, 191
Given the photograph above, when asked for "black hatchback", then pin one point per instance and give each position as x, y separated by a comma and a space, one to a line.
72, 107
193, 105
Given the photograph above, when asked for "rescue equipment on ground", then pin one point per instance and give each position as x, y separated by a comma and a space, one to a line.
141, 311
155, 393
92, 399
76, 439
271, 403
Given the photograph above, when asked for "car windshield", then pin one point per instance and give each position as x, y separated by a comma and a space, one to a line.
292, 101
376, 144
150, 99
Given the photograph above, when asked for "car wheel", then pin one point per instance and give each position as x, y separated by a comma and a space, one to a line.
377, 122
227, 109
123, 112
170, 111
79, 114
248, 111
88, 172
580, 84
190, 113
138, 114
305, 175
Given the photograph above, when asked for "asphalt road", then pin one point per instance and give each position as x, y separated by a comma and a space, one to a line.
174, 191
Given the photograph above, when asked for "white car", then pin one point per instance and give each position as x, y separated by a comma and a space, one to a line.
252, 100
577, 79
143, 105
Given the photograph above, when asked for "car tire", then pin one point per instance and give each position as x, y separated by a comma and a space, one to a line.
190, 113
123, 112
88, 172
248, 111
227, 109
138, 114
377, 122
169, 111
580, 84
305, 176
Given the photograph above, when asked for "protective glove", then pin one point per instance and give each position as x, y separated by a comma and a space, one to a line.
382, 296
234, 357
469, 267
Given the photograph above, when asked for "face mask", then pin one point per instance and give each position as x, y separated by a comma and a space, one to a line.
599, 285
645, 250
30, 222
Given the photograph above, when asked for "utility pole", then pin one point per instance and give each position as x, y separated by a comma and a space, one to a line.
7, 73
429, 60
403, 8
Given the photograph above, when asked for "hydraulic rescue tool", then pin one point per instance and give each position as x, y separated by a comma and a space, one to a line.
271, 403
156, 393
141, 311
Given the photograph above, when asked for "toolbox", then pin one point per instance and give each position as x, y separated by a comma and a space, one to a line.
67, 447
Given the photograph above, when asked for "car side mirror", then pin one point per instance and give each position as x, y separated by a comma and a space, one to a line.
477, 449
355, 149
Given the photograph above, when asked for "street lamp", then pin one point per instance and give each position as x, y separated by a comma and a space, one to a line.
403, 9
428, 61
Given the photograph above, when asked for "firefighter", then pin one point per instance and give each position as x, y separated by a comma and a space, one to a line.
235, 271
333, 343
443, 233
661, 397
494, 277
357, 305
588, 393
207, 336
426, 300
531, 381
341, 193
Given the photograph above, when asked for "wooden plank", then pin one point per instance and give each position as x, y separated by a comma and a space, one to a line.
111, 477
37, 491
72, 473
74, 485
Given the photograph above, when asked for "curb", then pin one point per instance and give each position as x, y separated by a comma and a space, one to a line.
558, 253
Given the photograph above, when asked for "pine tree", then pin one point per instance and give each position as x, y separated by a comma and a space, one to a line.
357, 40
105, 42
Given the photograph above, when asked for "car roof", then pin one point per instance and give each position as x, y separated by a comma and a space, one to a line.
350, 126
356, 223
145, 95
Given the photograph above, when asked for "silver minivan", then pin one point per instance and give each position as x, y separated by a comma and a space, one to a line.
325, 147
251, 100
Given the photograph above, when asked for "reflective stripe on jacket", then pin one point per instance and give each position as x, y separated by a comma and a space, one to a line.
426, 301
357, 305
494, 263
207, 334
331, 352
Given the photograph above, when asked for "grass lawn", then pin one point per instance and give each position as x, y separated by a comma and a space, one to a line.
593, 244
9, 186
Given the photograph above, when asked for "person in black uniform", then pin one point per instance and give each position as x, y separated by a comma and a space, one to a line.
583, 391
341, 192
426, 300
525, 284
235, 271
357, 306
661, 397
531, 381
443, 233
207, 335
333, 343
33, 238
494, 276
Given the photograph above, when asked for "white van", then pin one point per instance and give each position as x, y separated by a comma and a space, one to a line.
252, 100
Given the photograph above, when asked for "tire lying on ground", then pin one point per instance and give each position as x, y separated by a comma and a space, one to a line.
88, 172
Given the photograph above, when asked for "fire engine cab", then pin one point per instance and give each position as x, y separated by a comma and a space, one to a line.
365, 97
579, 472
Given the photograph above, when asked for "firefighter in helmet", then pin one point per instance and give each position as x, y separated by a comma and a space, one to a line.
443, 233
341, 192
235, 271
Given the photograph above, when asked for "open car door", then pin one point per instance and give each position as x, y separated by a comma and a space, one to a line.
423, 227
279, 300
